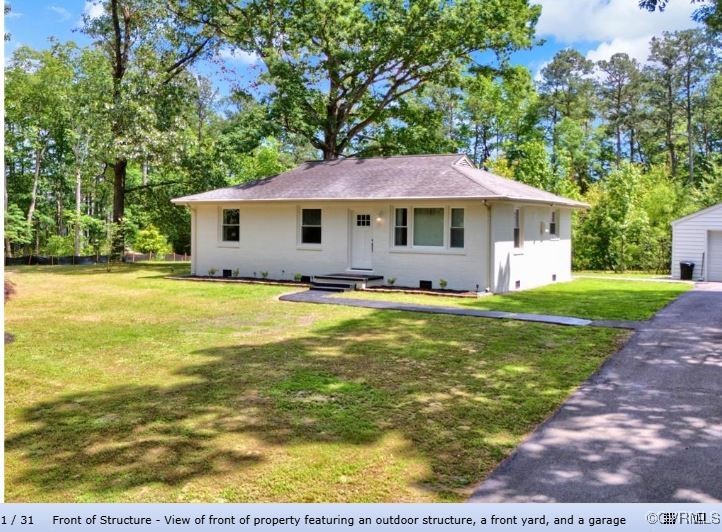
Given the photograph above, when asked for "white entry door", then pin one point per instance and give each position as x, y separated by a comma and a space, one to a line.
361, 241
714, 259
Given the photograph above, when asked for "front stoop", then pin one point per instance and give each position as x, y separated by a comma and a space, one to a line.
343, 282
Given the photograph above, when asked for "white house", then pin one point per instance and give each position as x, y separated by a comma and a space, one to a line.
697, 238
418, 219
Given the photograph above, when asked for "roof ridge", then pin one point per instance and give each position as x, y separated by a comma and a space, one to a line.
386, 157
460, 170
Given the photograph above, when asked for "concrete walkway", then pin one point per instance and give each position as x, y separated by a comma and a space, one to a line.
646, 428
321, 297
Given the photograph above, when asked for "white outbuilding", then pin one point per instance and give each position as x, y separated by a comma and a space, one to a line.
697, 238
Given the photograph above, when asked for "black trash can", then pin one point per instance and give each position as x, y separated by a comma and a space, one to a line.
686, 269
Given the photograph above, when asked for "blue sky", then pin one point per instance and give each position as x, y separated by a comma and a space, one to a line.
597, 28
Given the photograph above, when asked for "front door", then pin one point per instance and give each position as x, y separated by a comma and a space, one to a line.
361, 241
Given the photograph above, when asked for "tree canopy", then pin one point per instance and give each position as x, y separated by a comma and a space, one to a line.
100, 137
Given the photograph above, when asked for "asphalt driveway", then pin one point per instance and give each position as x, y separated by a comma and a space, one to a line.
646, 428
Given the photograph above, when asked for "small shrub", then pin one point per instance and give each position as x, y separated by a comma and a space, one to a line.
212, 271
391, 281
150, 240
264, 275
443, 283
297, 277
236, 272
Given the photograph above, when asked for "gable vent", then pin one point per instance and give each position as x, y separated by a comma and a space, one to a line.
464, 161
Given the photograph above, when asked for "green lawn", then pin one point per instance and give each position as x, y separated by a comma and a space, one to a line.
131, 387
583, 298
631, 274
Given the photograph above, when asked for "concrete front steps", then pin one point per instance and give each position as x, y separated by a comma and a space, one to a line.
343, 282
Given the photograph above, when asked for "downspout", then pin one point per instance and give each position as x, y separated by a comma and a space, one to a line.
489, 249
194, 238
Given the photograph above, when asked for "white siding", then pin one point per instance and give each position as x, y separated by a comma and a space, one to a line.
690, 238
541, 256
269, 242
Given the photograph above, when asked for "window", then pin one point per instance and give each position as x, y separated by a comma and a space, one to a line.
518, 241
457, 228
231, 231
553, 224
429, 227
310, 226
401, 227
363, 220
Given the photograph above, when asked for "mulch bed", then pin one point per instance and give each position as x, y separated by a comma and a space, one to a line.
433, 292
243, 280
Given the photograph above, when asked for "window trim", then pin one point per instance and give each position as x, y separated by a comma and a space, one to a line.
395, 227
410, 247
221, 225
518, 225
300, 244
554, 219
462, 227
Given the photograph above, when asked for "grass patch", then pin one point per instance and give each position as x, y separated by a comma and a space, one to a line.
595, 299
128, 387
631, 274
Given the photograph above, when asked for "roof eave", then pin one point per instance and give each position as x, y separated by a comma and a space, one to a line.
187, 201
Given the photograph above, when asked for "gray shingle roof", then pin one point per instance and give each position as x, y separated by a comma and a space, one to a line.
401, 177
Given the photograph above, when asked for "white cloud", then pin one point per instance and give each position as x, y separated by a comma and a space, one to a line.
573, 21
62, 13
14, 14
241, 56
615, 25
538, 70
93, 9
637, 48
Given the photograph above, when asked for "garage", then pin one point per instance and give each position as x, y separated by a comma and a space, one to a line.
697, 239
715, 256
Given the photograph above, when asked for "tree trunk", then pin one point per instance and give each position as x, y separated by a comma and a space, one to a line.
619, 143
690, 139
78, 201
669, 127
8, 246
36, 178
477, 134
119, 172
59, 211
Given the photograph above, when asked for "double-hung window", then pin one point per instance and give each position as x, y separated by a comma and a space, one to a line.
456, 229
401, 227
518, 238
554, 224
310, 226
231, 226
